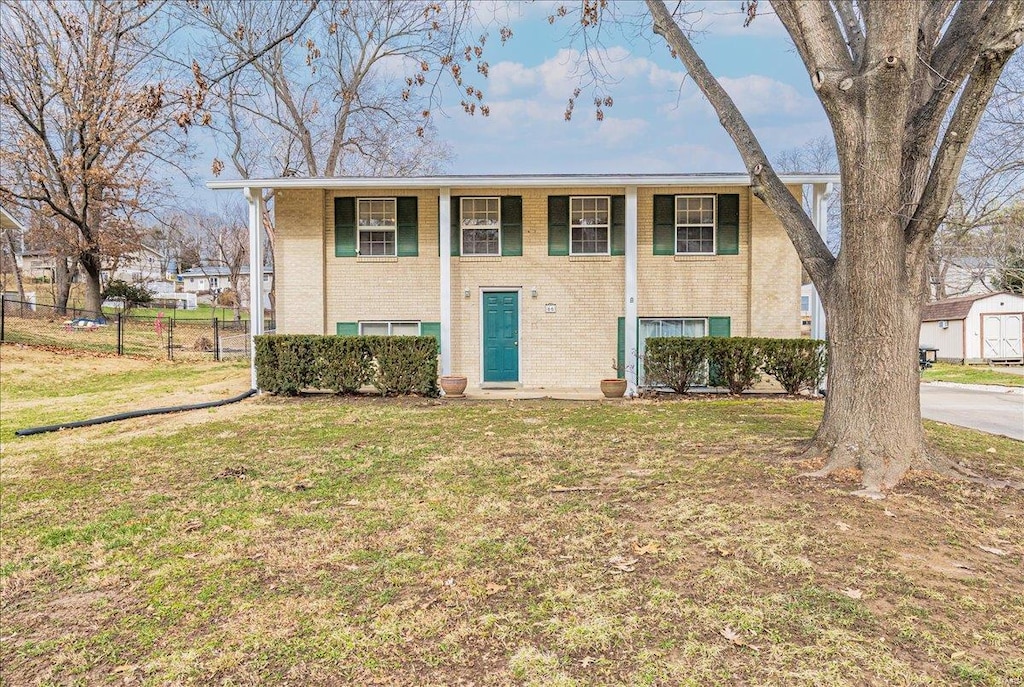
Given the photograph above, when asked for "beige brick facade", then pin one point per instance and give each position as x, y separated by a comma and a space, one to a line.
758, 289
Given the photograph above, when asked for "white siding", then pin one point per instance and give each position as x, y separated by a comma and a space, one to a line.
949, 341
996, 303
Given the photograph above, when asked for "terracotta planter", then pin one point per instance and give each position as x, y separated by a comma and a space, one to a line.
613, 388
454, 386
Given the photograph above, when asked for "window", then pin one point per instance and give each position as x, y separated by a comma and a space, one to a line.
481, 226
377, 219
695, 225
214, 282
805, 303
589, 218
668, 327
389, 328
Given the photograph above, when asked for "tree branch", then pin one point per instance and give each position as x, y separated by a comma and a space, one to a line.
767, 186
950, 157
853, 29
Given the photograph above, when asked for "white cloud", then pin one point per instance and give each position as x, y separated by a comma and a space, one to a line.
757, 95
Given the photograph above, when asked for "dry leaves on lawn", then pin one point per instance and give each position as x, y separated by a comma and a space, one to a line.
621, 564
735, 638
853, 593
993, 550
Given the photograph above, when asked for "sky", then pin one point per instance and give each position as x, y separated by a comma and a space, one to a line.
659, 122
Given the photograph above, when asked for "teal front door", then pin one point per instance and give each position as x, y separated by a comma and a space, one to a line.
501, 336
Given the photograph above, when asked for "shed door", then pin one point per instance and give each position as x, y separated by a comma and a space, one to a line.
1002, 336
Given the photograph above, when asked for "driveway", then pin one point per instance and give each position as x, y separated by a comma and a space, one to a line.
995, 412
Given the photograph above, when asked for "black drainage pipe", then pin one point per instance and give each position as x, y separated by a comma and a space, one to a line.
134, 413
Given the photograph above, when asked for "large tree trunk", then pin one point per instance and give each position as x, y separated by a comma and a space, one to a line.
93, 288
63, 269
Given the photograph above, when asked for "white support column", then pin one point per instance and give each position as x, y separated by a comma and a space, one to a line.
254, 196
631, 292
445, 233
819, 208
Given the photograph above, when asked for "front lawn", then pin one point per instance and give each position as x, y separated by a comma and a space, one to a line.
967, 374
416, 541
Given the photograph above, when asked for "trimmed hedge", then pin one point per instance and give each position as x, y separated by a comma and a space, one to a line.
797, 364
675, 361
736, 363
393, 365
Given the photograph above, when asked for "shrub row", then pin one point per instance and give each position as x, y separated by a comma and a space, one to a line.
393, 365
736, 363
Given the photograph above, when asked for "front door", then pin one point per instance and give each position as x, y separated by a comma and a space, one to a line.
501, 336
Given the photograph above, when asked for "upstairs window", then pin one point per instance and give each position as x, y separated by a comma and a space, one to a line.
377, 220
695, 225
589, 222
481, 226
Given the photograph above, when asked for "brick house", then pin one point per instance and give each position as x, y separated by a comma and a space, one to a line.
533, 281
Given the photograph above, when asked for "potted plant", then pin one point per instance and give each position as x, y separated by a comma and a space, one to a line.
454, 386
613, 387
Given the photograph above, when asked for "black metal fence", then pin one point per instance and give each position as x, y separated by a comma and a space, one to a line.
162, 335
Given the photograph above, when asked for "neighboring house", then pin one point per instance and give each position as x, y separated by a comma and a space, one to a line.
975, 329
39, 265
216, 279
970, 276
542, 281
145, 266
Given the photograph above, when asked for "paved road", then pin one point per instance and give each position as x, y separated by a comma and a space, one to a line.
996, 412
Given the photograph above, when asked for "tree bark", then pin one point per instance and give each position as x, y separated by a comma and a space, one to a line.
93, 288
62, 273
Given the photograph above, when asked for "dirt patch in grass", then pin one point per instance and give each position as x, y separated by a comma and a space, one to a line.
368, 541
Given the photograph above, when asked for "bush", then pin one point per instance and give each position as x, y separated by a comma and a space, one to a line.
404, 364
675, 362
131, 294
287, 364
340, 363
736, 362
797, 364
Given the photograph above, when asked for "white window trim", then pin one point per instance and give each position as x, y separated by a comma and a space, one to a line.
391, 324
607, 227
394, 229
462, 229
714, 223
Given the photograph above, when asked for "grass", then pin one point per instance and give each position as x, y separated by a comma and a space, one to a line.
414, 541
966, 374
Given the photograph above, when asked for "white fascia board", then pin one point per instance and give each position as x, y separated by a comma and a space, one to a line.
8, 221
514, 181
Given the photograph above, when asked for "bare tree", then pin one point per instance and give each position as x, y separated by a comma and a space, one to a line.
817, 155
85, 117
223, 239
968, 247
904, 85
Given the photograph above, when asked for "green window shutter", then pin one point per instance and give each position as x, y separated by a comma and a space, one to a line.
431, 329
512, 225
719, 326
347, 329
664, 225
558, 225
621, 359
728, 228
456, 226
408, 227
344, 227
618, 226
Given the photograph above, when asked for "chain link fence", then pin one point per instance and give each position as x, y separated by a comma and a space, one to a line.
160, 336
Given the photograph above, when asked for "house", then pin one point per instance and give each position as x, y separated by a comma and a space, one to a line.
975, 329
144, 266
216, 279
532, 281
806, 314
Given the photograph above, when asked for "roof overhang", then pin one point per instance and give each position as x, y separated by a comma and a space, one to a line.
7, 220
517, 180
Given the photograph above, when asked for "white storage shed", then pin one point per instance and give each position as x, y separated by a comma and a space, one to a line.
976, 329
